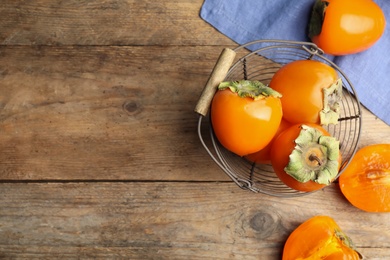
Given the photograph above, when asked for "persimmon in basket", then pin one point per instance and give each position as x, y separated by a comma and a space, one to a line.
305, 157
264, 155
245, 115
311, 92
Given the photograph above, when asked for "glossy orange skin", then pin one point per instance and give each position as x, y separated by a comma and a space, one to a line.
315, 239
243, 125
300, 83
282, 148
264, 155
366, 180
350, 26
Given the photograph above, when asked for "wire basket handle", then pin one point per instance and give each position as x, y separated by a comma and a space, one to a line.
219, 72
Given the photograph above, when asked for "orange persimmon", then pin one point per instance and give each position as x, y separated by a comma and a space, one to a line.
245, 115
305, 157
341, 27
264, 155
366, 180
311, 92
319, 238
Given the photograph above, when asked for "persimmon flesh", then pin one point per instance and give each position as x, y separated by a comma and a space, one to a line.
366, 180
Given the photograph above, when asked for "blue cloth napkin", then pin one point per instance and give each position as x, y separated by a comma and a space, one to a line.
248, 20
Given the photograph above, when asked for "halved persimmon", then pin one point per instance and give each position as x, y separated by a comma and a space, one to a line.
319, 237
366, 180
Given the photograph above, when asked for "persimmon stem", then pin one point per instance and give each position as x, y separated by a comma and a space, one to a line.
314, 157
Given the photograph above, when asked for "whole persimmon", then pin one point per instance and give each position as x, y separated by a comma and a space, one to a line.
311, 92
245, 115
264, 155
305, 157
341, 27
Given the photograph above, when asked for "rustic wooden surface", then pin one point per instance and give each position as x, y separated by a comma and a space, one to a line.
100, 156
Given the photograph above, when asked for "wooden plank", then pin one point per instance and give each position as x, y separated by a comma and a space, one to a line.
103, 113
165, 220
77, 113
114, 22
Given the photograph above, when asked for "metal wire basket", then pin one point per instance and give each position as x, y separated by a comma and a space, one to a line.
259, 60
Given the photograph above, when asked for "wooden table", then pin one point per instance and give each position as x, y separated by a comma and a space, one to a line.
100, 156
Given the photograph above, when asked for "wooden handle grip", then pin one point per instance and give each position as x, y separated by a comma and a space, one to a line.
218, 74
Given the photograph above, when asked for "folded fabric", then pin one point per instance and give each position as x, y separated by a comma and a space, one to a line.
249, 20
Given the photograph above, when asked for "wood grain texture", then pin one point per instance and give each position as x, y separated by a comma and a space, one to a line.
164, 220
108, 22
99, 152
103, 113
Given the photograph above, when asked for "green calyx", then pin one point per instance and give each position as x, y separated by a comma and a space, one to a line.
346, 241
317, 18
314, 158
343, 238
247, 88
332, 99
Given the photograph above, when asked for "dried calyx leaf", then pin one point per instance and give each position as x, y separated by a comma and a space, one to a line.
314, 158
347, 241
332, 99
247, 88
317, 18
